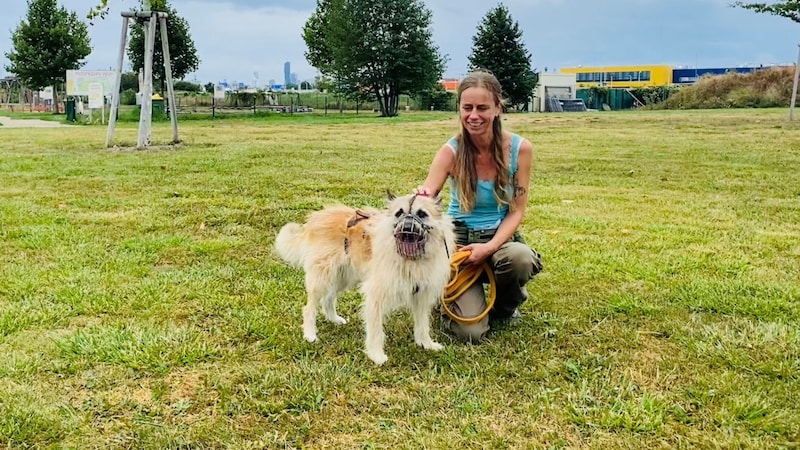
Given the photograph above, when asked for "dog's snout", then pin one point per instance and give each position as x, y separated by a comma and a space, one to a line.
410, 234
411, 225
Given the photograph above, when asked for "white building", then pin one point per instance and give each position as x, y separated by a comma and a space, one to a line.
558, 85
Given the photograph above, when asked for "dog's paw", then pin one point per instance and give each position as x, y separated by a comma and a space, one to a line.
378, 358
431, 345
310, 335
338, 320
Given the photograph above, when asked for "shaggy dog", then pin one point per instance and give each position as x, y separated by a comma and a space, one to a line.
400, 258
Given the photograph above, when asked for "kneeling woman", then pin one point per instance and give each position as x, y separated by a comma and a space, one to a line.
489, 171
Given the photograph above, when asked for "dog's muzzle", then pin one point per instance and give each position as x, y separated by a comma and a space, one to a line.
410, 236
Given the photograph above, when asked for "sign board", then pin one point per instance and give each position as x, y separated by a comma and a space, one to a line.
46, 93
219, 91
78, 81
95, 95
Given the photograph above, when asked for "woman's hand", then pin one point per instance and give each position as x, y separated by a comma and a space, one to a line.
423, 191
478, 253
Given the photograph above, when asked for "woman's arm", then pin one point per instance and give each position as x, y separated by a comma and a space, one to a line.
513, 219
440, 169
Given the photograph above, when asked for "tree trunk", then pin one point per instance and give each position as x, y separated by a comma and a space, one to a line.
394, 99
55, 99
381, 101
388, 100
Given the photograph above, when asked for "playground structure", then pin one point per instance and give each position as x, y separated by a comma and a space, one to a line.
15, 96
149, 19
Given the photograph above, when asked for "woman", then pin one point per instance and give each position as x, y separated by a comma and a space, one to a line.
489, 171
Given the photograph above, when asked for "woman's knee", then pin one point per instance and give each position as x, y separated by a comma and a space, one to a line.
470, 333
469, 305
516, 261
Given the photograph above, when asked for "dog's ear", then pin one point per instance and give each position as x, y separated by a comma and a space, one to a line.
439, 202
390, 195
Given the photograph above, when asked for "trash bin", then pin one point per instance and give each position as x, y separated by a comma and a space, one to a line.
69, 109
158, 105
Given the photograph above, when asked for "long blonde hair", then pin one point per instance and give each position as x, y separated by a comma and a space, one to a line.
465, 173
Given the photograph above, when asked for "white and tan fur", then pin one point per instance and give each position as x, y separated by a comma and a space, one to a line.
371, 261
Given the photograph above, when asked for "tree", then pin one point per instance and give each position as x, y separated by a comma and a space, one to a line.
498, 47
374, 49
129, 80
324, 83
182, 52
47, 43
187, 86
788, 8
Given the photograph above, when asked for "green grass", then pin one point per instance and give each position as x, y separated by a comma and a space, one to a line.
141, 305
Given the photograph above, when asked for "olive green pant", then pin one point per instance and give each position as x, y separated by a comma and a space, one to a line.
513, 265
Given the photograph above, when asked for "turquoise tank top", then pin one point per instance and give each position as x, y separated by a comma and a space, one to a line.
486, 213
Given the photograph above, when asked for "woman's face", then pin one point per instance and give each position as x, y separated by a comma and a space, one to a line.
478, 110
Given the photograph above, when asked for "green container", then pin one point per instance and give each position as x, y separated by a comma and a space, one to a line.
70, 110
158, 106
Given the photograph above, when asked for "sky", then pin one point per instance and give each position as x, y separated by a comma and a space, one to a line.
250, 40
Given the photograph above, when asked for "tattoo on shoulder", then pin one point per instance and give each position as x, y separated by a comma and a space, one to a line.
519, 191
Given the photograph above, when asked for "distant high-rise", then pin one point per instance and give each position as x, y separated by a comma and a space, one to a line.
287, 73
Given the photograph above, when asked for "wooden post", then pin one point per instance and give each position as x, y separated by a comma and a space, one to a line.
115, 98
168, 71
146, 115
794, 85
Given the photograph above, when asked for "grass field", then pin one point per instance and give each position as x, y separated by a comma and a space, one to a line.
141, 305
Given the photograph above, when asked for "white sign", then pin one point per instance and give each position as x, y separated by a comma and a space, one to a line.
219, 92
95, 95
46, 93
78, 80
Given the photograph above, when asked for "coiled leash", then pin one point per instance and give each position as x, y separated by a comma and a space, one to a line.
461, 279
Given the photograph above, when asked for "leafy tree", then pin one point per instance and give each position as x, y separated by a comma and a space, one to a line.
324, 83
374, 49
47, 43
498, 47
187, 86
788, 8
182, 52
129, 80
437, 97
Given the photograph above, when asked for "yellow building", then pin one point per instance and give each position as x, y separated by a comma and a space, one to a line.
621, 76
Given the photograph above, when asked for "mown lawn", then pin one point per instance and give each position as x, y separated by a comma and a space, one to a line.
141, 305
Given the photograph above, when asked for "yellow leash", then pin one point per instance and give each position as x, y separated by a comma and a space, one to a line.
461, 278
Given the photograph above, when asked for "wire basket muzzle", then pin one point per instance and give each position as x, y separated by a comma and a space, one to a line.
410, 236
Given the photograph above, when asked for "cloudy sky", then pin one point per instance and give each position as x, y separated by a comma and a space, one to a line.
241, 40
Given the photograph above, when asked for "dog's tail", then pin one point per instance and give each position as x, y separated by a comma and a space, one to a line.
289, 244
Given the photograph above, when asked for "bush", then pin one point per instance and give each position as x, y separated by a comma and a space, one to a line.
187, 86
128, 97
765, 88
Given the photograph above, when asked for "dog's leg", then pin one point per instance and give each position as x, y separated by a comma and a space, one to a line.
329, 309
316, 290
373, 324
329, 301
310, 319
421, 312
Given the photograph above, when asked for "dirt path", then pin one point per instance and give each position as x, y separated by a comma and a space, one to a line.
7, 122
